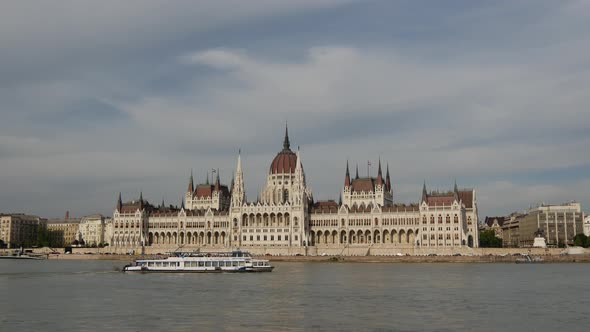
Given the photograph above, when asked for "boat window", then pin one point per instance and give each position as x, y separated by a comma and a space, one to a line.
151, 264
234, 263
159, 264
208, 263
201, 264
242, 263
215, 263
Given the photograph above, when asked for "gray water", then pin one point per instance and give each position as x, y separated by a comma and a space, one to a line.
91, 296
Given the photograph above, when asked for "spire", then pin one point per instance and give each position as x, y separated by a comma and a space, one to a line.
119, 203
162, 204
182, 203
379, 174
340, 200
238, 196
286, 144
141, 200
387, 180
217, 185
357, 171
456, 189
207, 181
347, 177
424, 193
191, 186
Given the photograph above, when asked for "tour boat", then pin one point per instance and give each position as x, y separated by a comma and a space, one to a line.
236, 261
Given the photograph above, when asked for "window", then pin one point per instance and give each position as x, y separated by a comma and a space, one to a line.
272, 237
279, 238
257, 237
265, 238
286, 237
251, 237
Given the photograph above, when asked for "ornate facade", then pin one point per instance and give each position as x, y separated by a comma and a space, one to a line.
286, 216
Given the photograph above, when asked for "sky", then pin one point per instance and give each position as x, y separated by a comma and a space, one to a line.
98, 98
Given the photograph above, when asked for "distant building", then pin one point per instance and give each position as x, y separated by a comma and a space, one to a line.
587, 225
92, 229
64, 232
286, 216
495, 224
558, 224
19, 229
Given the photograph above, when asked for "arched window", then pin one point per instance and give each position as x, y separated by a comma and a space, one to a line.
286, 195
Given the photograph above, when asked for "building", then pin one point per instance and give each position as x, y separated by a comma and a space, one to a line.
558, 224
19, 230
92, 229
587, 225
286, 216
64, 232
495, 224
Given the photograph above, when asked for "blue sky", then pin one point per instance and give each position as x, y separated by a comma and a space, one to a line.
97, 98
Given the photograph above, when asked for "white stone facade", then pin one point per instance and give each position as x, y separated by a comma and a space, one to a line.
286, 216
92, 229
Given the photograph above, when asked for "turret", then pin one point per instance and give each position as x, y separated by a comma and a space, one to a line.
119, 203
424, 193
379, 174
191, 186
217, 185
347, 177
387, 180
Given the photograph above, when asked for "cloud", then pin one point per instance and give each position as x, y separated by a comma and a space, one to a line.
132, 97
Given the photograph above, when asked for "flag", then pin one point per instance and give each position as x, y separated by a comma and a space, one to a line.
213, 170
368, 163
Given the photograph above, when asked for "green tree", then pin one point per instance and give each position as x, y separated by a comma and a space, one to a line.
488, 239
581, 240
42, 237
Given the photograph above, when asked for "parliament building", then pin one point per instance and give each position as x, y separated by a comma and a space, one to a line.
285, 219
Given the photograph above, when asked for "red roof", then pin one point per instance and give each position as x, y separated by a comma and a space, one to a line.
364, 184
467, 197
445, 200
284, 162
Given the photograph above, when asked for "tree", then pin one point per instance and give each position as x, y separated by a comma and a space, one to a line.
2, 244
581, 240
42, 237
488, 239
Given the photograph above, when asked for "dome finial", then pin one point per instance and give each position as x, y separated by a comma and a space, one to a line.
286, 144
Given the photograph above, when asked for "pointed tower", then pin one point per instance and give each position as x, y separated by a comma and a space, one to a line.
238, 196
357, 172
379, 175
207, 180
141, 200
286, 144
347, 177
456, 191
191, 186
424, 193
162, 204
217, 184
119, 203
387, 180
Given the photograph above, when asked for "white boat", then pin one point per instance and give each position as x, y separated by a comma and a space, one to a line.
236, 261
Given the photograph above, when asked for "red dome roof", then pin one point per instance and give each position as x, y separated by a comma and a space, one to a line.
284, 162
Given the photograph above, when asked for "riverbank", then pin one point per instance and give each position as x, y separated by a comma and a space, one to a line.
359, 259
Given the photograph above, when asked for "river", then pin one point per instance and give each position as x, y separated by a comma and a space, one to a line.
71, 295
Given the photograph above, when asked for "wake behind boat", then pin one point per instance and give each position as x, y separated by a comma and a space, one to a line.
235, 261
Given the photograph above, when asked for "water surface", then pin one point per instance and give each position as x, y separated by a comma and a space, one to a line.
92, 295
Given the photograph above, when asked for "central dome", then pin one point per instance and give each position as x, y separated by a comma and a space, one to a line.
286, 160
